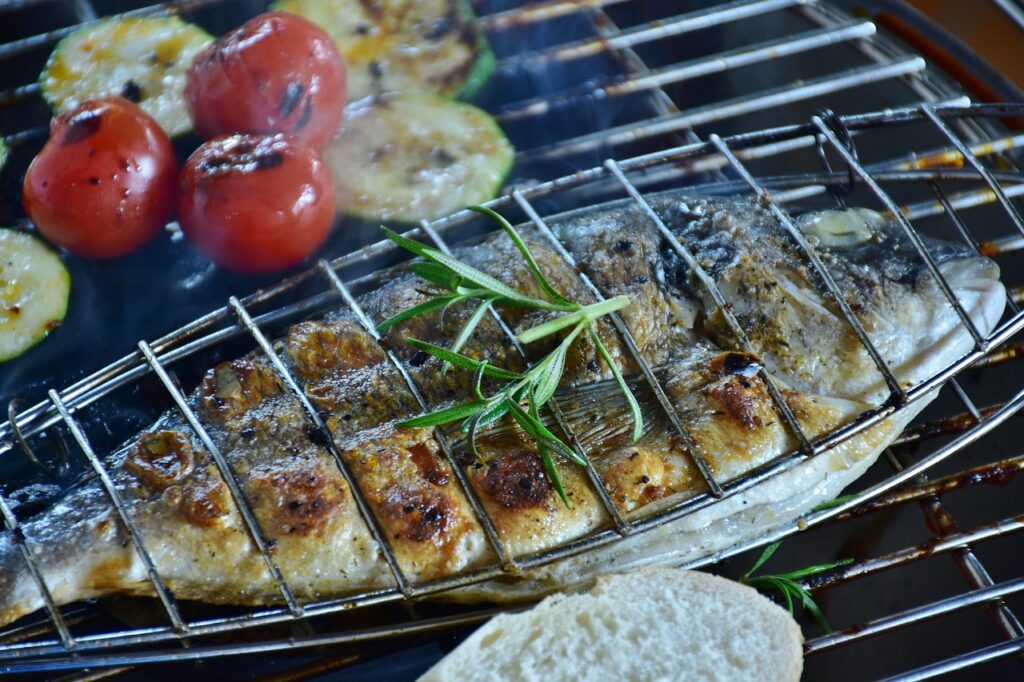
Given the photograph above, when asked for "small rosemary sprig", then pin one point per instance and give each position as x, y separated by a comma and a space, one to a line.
786, 585
832, 504
523, 394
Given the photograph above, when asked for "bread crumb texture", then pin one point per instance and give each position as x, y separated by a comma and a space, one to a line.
651, 624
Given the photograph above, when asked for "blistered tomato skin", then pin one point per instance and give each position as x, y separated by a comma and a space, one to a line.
255, 203
104, 183
277, 73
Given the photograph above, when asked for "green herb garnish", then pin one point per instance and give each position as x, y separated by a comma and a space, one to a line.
786, 585
832, 504
523, 394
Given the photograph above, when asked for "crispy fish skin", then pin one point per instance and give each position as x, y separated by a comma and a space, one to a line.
194, 532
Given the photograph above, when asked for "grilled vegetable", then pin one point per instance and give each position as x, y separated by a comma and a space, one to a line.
3, 154
255, 203
277, 73
413, 156
431, 45
34, 289
143, 59
103, 185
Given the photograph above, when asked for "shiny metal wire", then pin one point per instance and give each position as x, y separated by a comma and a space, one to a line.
35, 652
690, 158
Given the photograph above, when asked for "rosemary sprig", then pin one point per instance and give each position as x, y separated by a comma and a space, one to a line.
832, 504
786, 585
523, 394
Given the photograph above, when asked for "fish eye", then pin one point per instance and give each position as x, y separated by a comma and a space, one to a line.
842, 229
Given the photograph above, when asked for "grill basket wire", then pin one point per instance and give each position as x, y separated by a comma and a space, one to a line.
48, 652
955, 160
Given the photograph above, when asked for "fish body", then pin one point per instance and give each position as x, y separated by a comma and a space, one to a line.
289, 476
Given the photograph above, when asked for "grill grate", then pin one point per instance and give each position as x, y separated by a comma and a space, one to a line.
964, 139
618, 171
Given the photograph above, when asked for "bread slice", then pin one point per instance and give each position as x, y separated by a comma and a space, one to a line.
649, 624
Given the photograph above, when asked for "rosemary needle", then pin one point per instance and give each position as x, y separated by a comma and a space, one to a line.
786, 585
522, 395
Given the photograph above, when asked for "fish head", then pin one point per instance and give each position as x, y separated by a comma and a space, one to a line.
785, 310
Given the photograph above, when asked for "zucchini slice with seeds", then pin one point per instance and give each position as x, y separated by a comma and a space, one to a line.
34, 291
410, 156
143, 59
429, 45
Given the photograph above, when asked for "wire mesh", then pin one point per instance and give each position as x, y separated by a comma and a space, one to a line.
716, 146
959, 157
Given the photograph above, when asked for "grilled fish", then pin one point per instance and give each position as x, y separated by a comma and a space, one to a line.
289, 475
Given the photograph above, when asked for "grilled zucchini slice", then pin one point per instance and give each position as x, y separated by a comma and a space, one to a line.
429, 45
411, 156
34, 290
143, 59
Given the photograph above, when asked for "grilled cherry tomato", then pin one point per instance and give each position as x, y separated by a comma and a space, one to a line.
255, 203
104, 184
277, 73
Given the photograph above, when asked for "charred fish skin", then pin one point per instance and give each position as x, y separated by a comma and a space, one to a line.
289, 476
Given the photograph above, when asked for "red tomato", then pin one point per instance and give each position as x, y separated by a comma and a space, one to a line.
277, 73
104, 184
255, 203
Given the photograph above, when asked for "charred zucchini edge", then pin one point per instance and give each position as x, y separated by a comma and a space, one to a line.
35, 288
366, 185
58, 102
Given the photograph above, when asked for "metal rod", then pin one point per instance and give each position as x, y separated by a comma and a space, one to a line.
1013, 11
823, 515
53, 611
941, 545
896, 392
250, 648
23, 45
538, 12
602, 538
998, 356
638, 35
608, 30
942, 427
907, 228
166, 599
941, 520
634, 350
328, 443
684, 71
127, 368
483, 518
960, 662
965, 232
996, 473
777, 97
878, 52
688, 151
709, 285
622, 526
42, 625
1004, 201
873, 628
228, 475
970, 199
952, 157
130, 367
